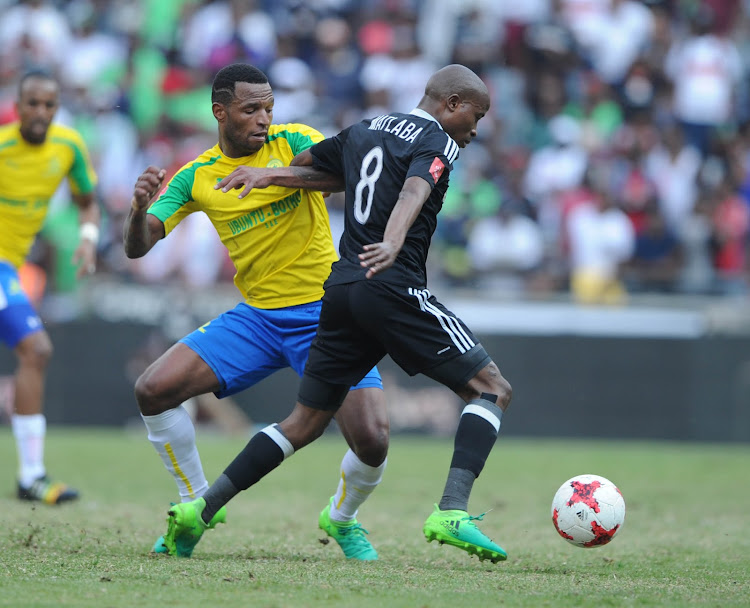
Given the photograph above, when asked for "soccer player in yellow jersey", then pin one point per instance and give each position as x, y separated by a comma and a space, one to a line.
35, 156
280, 242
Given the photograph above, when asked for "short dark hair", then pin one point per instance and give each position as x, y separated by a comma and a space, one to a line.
227, 77
39, 73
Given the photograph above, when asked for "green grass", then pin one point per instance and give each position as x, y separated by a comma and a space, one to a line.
686, 538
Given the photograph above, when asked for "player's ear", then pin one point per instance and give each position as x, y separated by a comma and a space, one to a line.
453, 102
219, 111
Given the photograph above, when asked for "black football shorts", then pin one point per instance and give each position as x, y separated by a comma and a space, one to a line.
363, 321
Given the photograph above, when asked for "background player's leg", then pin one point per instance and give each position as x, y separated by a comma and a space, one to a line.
29, 424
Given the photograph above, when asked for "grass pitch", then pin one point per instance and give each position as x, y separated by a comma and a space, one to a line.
686, 538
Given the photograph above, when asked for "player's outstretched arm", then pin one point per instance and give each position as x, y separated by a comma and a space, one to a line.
308, 178
141, 230
379, 256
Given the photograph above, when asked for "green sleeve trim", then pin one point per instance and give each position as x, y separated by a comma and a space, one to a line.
81, 171
179, 191
298, 142
10, 142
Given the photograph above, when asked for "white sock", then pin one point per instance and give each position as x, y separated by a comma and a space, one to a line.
173, 435
358, 480
29, 432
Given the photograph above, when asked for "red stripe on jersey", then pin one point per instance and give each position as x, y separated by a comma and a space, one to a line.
436, 169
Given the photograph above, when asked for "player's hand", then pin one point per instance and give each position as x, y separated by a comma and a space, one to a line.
377, 257
147, 186
85, 258
246, 178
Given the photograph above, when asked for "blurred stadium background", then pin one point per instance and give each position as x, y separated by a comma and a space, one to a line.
617, 148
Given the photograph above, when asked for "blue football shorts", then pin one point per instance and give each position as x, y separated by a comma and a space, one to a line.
246, 344
18, 318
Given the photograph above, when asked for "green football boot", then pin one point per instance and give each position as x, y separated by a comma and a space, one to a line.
159, 546
457, 528
350, 536
185, 527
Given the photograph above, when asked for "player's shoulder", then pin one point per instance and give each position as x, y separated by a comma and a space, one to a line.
437, 139
292, 130
433, 138
204, 159
9, 132
59, 132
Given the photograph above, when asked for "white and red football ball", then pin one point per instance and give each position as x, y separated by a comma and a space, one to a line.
588, 510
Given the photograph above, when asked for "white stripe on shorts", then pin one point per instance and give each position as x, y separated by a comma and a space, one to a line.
278, 438
483, 412
451, 325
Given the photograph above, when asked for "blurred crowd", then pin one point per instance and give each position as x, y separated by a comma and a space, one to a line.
615, 158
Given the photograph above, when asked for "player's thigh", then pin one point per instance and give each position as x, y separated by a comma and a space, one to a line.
297, 326
419, 333
241, 346
172, 379
343, 352
342, 355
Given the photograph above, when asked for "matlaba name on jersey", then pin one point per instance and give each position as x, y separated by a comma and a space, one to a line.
265, 214
404, 129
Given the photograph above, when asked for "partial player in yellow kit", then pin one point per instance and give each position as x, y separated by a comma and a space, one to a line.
35, 156
280, 242
279, 239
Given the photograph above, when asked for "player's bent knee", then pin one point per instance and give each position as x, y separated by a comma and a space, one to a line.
372, 447
505, 395
35, 351
300, 435
148, 395
490, 381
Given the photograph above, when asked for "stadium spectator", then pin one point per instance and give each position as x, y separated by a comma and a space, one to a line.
654, 266
34, 33
731, 226
621, 37
505, 249
705, 70
600, 238
37, 154
280, 243
673, 168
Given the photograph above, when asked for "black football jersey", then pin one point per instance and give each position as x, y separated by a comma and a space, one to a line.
376, 157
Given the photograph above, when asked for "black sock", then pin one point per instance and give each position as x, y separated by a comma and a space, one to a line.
457, 490
263, 453
220, 493
475, 436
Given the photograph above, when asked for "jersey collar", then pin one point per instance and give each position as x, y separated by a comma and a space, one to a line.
421, 113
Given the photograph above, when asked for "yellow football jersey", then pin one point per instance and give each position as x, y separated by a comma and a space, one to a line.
29, 176
278, 238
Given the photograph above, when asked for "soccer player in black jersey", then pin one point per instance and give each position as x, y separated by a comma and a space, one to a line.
394, 170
